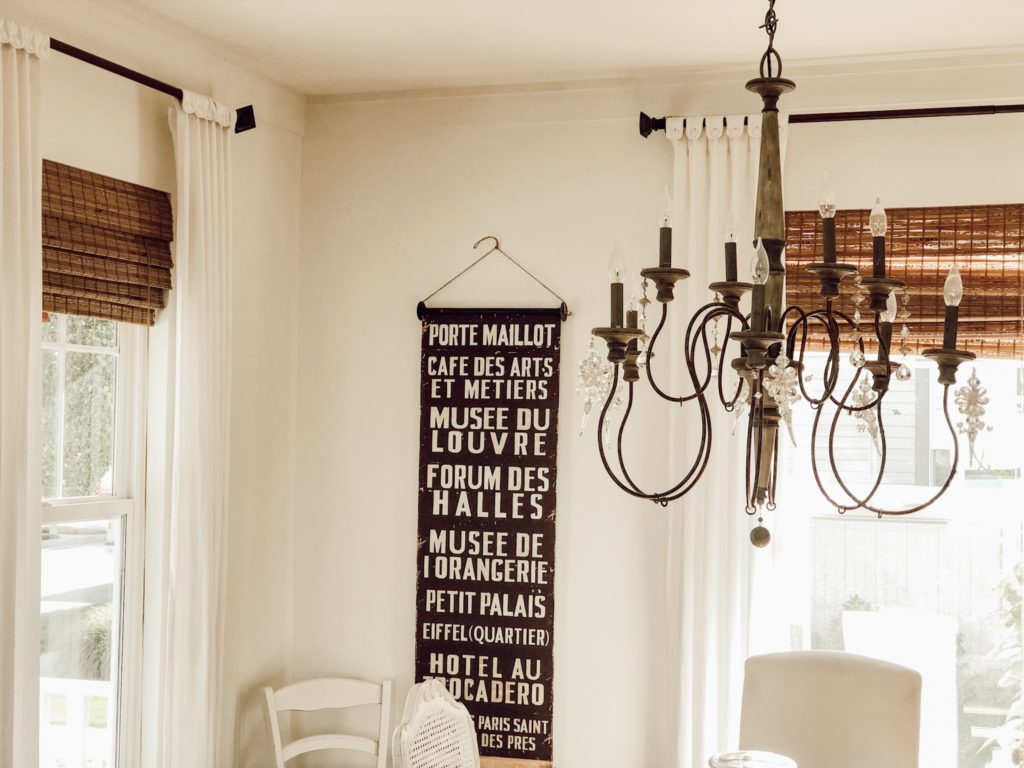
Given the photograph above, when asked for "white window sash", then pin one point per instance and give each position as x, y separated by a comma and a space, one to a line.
126, 504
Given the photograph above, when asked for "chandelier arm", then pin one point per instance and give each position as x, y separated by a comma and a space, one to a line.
689, 479
749, 496
949, 478
690, 349
700, 463
757, 395
704, 315
860, 502
622, 460
814, 452
729, 405
650, 356
830, 375
600, 440
711, 312
773, 483
858, 408
696, 471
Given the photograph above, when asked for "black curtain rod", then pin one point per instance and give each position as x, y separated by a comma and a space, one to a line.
650, 124
245, 119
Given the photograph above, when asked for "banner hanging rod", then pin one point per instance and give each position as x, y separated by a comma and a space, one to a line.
245, 119
650, 124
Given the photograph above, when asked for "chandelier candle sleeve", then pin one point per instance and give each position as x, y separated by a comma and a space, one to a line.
952, 294
827, 209
878, 223
731, 270
616, 270
757, 307
665, 239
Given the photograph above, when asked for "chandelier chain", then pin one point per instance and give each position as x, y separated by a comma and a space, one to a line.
771, 24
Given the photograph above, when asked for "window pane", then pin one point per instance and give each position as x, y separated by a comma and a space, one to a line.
88, 424
51, 331
79, 629
91, 332
51, 417
939, 591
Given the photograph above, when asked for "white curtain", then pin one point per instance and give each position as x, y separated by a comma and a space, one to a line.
20, 322
711, 561
194, 552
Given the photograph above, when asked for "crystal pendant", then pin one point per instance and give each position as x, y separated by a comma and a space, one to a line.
715, 353
903, 372
857, 358
866, 417
593, 382
783, 386
742, 404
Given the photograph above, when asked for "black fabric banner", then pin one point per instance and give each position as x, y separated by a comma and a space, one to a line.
486, 534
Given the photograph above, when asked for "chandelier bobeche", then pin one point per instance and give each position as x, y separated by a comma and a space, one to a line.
772, 339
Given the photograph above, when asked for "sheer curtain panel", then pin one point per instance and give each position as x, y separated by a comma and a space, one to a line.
20, 317
711, 560
193, 551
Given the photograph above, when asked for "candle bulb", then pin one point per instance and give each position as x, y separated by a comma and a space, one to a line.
731, 271
878, 223
665, 234
952, 293
827, 209
616, 271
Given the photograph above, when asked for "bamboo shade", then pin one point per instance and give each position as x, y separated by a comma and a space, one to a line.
986, 242
106, 246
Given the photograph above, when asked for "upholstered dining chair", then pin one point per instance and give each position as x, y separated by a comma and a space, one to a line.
827, 709
329, 693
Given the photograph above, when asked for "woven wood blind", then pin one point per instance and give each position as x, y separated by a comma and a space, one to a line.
106, 246
986, 242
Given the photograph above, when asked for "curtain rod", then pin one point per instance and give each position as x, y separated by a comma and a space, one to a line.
245, 119
650, 124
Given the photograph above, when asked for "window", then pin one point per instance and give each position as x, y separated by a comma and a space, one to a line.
92, 540
939, 591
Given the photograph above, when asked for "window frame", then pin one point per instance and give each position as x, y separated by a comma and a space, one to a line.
126, 503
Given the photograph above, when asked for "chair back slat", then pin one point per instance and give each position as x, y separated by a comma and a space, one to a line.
329, 741
326, 693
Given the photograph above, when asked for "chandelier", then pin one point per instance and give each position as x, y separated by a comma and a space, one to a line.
769, 343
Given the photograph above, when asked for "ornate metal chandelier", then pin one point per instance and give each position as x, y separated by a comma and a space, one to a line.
769, 342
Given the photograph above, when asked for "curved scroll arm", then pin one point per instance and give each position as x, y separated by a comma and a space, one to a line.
865, 501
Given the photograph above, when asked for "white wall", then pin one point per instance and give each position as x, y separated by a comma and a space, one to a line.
395, 191
98, 121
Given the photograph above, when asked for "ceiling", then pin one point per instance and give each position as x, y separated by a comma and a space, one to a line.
347, 46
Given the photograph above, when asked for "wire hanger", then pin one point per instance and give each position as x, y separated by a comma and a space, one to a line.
421, 307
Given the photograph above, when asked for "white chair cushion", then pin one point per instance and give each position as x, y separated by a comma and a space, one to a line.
827, 709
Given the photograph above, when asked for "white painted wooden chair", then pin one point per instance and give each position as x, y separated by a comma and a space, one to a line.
329, 693
436, 731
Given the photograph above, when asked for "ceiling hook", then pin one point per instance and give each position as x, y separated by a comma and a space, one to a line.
497, 243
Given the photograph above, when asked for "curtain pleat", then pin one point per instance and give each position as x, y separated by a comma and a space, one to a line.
20, 322
194, 554
711, 561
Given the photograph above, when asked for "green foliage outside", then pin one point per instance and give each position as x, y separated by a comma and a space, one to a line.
85, 429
